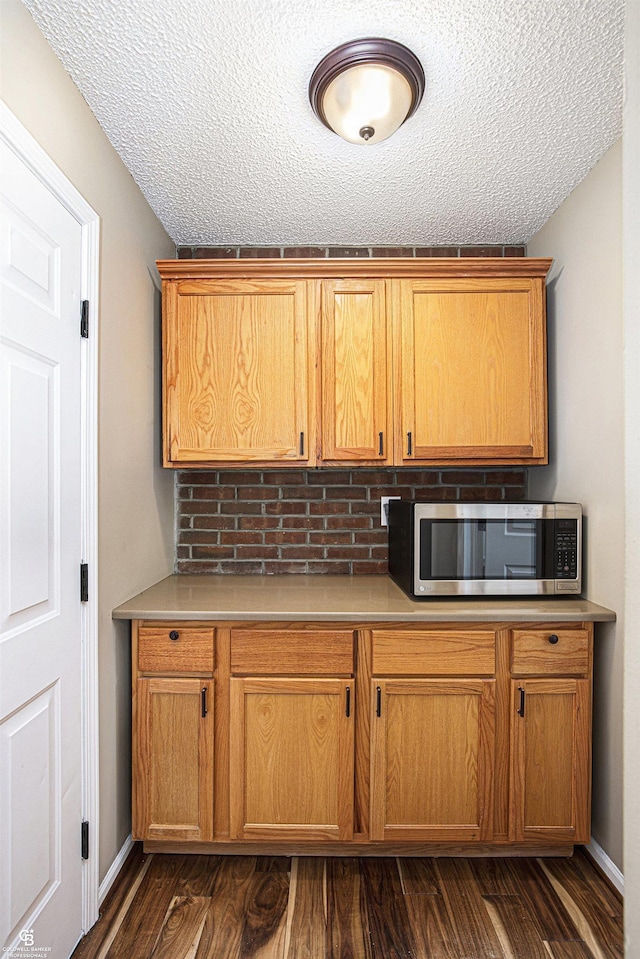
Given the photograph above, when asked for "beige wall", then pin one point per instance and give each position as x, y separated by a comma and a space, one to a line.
135, 494
586, 433
631, 259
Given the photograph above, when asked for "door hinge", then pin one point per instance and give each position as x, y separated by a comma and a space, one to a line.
84, 319
84, 840
84, 582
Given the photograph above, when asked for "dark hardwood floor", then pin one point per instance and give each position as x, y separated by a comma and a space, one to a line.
233, 907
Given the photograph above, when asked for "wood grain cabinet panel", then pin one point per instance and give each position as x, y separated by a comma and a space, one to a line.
173, 760
292, 759
356, 366
432, 760
237, 374
371, 362
471, 370
551, 760
171, 649
554, 652
319, 652
433, 652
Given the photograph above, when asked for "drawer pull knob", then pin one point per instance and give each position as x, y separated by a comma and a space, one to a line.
174, 634
553, 639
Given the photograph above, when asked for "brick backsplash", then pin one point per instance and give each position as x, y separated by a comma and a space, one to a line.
309, 521
321, 252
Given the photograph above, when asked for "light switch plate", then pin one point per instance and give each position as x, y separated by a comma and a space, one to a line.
384, 509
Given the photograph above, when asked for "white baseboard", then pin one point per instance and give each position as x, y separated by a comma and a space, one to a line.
607, 865
114, 869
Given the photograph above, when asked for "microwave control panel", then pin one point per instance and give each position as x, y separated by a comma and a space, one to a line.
566, 549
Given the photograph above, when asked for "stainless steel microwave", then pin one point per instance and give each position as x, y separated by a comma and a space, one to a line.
485, 549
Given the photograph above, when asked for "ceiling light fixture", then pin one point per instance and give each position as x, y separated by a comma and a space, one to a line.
365, 89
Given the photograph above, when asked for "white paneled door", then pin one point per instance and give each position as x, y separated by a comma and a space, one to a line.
40, 556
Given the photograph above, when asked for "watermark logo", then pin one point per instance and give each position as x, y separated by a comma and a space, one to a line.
28, 949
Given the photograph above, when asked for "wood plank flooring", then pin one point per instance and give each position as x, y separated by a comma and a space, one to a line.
259, 907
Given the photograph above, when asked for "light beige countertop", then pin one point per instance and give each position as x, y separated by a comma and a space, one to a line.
322, 598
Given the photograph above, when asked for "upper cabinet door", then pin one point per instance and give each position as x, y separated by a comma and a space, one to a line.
472, 370
237, 385
356, 395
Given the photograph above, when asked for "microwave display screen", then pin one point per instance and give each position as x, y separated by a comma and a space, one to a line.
495, 549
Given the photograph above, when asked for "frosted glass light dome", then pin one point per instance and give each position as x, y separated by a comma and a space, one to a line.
367, 103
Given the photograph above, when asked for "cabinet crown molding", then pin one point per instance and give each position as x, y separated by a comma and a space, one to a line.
385, 267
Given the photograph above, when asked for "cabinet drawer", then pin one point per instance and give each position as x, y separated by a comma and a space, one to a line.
550, 652
271, 652
434, 653
174, 649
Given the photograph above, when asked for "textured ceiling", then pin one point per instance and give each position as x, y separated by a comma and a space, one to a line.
206, 103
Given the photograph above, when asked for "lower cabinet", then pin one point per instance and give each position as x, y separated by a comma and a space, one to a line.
173, 760
551, 760
459, 734
550, 787
432, 760
292, 759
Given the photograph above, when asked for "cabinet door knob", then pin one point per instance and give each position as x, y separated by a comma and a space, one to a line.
553, 639
174, 634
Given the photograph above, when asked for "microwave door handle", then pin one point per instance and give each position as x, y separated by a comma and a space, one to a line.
546, 537
465, 549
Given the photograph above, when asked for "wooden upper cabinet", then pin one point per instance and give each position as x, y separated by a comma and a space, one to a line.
471, 371
356, 394
387, 361
237, 383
